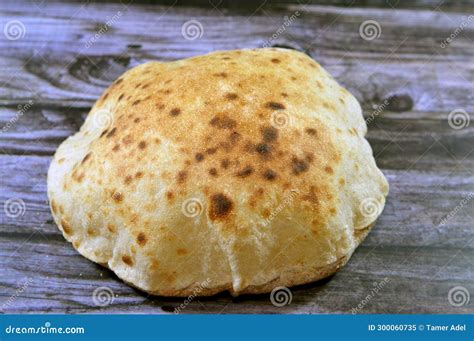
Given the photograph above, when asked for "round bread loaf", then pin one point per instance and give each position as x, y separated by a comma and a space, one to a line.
238, 170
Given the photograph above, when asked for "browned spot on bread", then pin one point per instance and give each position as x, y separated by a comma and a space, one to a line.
220, 207
128, 179
221, 74
104, 132
269, 175
117, 196
199, 157
91, 232
88, 155
175, 111
263, 149
269, 134
136, 102
213, 172
312, 195
332, 210
141, 239
111, 133
121, 97
142, 145
127, 139
136, 120
211, 151
138, 175
76, 244
299, 166
54, 207
274, 106
66, 227
231, 96
127, 260
284, 94
181, 178
245, 172
311, 131
169, 195
275, 60
234, 137
181, 252
111, 227
116, 147
225, 163
329, 170
222, 122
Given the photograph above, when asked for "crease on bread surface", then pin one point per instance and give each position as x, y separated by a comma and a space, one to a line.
243, 170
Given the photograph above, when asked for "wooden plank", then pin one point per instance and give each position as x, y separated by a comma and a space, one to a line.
405, 61
401, 248
416, 256
408, 140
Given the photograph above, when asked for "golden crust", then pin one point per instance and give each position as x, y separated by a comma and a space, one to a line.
246, 169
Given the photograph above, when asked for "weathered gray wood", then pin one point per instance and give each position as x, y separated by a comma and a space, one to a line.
406, 60
430, 166
408, 246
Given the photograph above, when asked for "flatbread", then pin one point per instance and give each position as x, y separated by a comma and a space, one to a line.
238, 170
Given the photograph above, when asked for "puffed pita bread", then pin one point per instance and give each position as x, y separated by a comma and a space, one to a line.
238, 170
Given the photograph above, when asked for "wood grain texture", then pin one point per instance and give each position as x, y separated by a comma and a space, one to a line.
421, 247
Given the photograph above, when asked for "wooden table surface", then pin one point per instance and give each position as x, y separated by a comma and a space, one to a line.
56, 59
